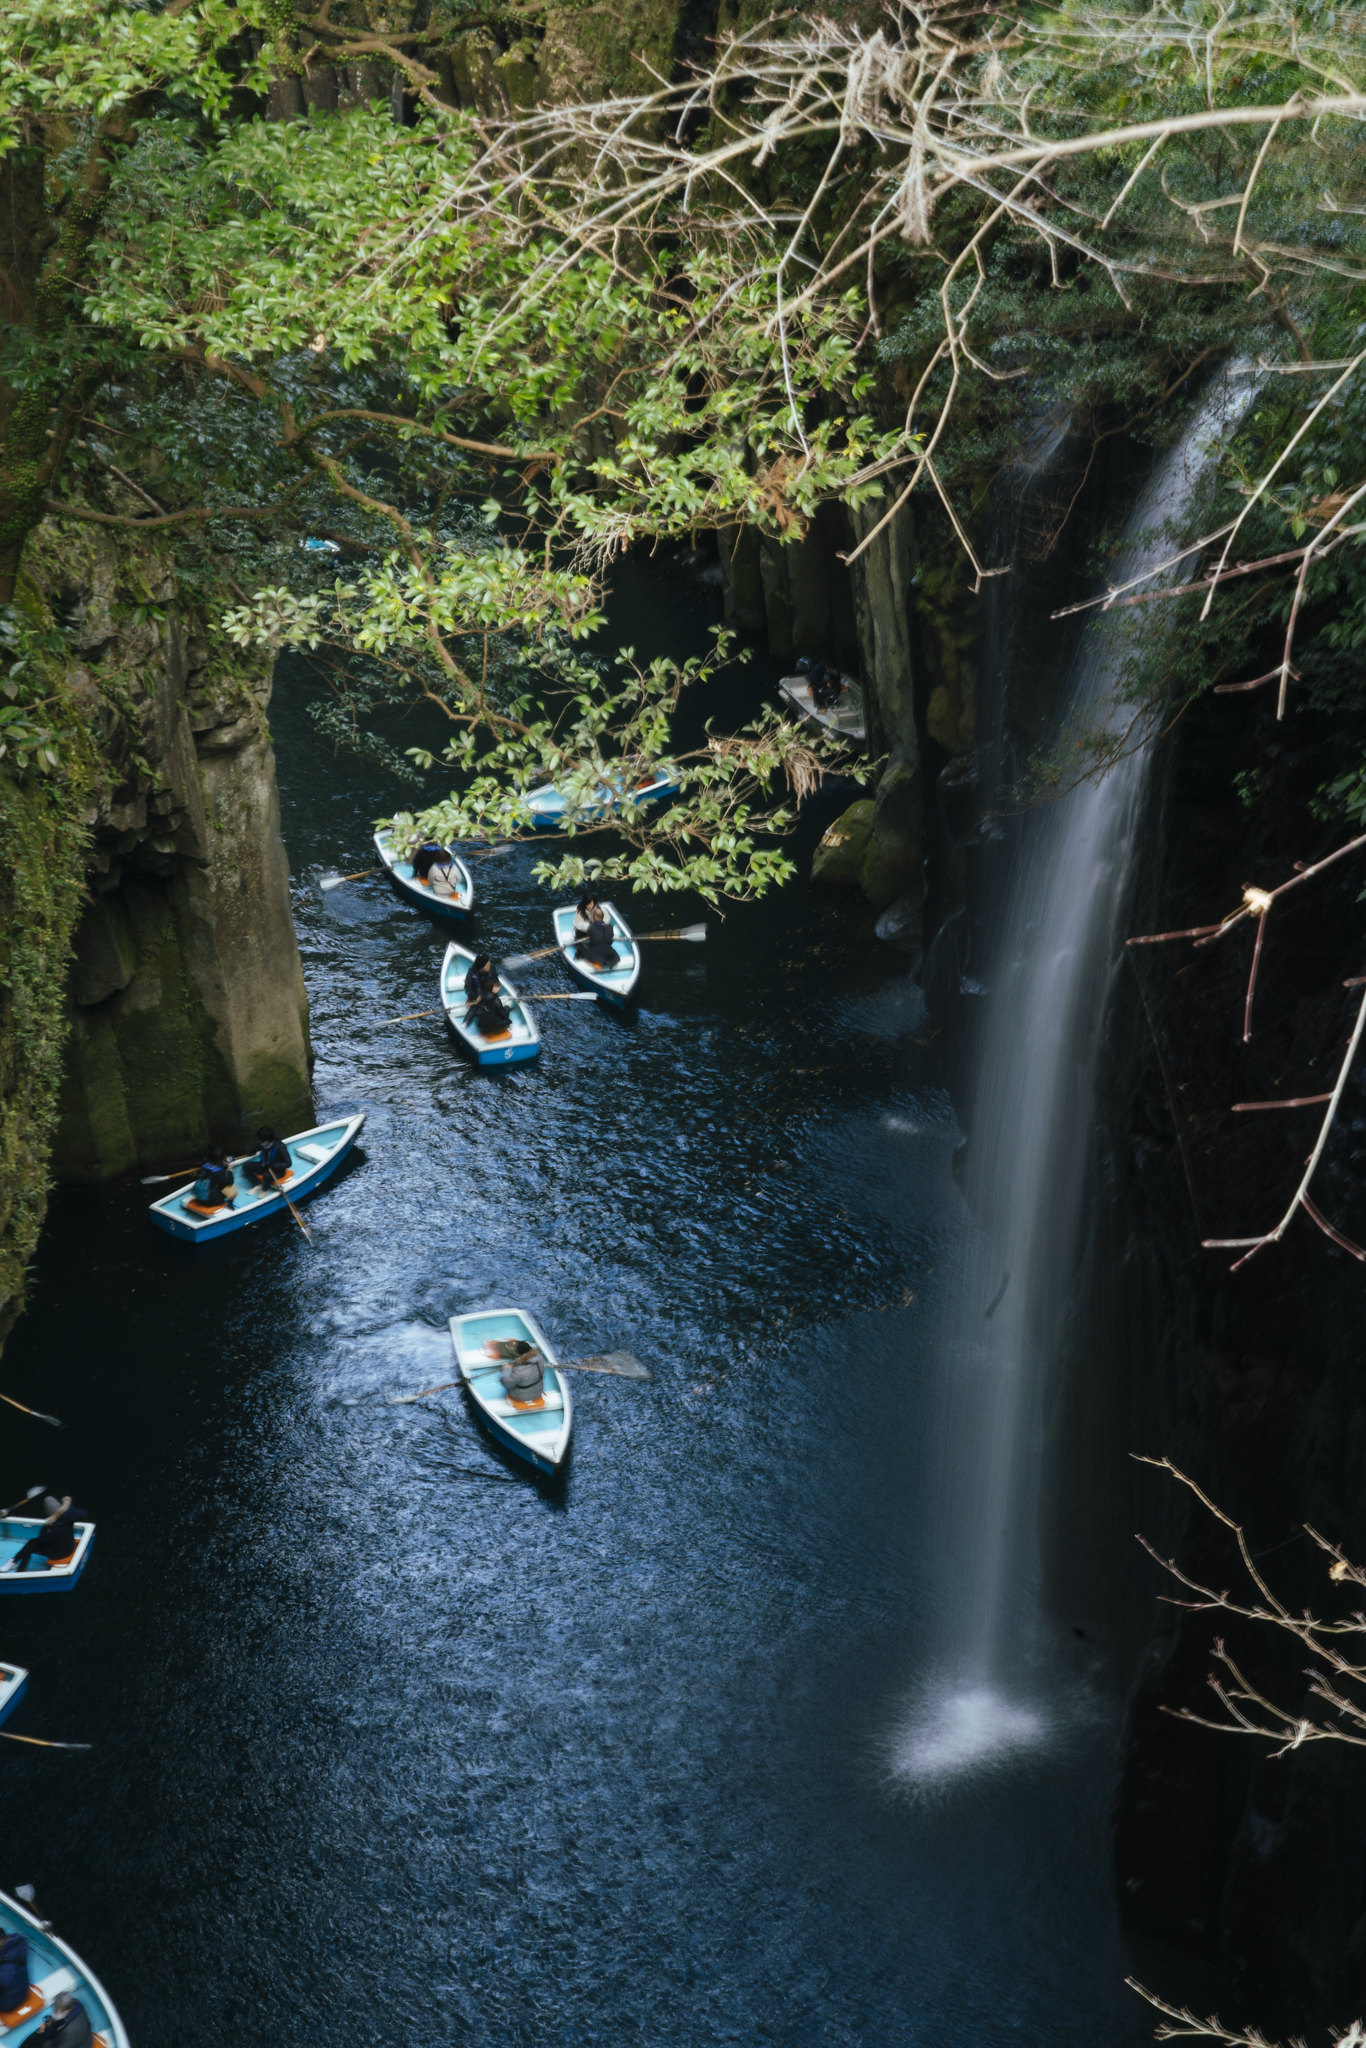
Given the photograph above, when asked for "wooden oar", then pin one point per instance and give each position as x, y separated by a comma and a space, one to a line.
623, 1363
33, 1494
576, 996
327, 882
38, 1743
36, 1413
290, 1206
154, 1180
693, 933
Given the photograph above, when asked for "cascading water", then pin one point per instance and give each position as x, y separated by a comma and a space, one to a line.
1057, 949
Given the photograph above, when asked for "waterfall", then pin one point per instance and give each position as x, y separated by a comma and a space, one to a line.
1058, 945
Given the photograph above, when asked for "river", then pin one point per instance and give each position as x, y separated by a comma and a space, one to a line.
392, 1746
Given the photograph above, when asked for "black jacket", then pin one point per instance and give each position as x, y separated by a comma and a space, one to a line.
13, 1972
273, 1157
67, 2030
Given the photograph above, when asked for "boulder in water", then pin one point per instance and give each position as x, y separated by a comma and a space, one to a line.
903, 924
839, 857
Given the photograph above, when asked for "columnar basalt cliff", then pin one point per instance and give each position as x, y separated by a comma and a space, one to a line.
187, 1013
185, 1002
152, 994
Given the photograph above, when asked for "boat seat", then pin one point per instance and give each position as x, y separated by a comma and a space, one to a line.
508, 1411
60, 1979
314, 1152
33, 2003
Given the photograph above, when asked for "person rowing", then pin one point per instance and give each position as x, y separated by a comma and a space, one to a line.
67, 2025
214, 1186
272, 1163
56, 1540
593, 935
522, 1373
826, 686
425, 856
13, 1977
484, 998
434, 865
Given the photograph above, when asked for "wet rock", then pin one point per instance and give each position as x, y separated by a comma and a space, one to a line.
903, 925
104, 954
890, 867
839, 857
186, 1005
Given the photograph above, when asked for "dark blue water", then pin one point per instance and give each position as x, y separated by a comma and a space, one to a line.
395, 1747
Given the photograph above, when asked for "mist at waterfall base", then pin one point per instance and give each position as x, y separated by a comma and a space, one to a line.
995, 1687
392, 1746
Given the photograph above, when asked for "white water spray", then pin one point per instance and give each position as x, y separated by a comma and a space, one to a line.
1031, 1152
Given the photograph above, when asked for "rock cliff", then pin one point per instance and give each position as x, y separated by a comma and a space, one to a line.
151, 993
186, 1009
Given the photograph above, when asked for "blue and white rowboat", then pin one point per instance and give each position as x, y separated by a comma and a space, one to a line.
845, 719
540, 1435
522, 1038
550, 804
53, 1967
13, 1686
614, 985
457, 905
57, 1578
316, 1154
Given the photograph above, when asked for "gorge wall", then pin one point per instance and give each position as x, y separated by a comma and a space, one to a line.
1241, 1879
187, 1012
153, 993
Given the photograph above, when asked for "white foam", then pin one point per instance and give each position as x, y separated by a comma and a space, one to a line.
964, 1731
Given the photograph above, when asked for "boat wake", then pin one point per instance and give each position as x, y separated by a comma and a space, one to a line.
973, 1727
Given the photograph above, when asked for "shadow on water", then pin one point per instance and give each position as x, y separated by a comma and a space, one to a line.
389, 1748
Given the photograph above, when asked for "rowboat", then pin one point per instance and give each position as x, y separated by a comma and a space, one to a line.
59, 1577
400, 873
845, 720
316, 1155
13, 1686
539, 1434
615, 985
522, 1038
53, 1967
550, 804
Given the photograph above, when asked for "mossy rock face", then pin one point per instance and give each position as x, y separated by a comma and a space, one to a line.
183, 1008
891, 863
951, 717
839, 857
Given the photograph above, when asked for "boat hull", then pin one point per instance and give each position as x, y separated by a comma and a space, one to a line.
448, 909
13, 1686
550, 806
848, 725
171, 1215
54, 1967
14, 1532
539, 1439
524, 1039
617, 987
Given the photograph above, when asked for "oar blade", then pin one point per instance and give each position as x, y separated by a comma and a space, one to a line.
326, 882
624, 1364
36, 1413
694, 932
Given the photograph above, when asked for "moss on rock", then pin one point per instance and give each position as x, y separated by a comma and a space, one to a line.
838, 858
